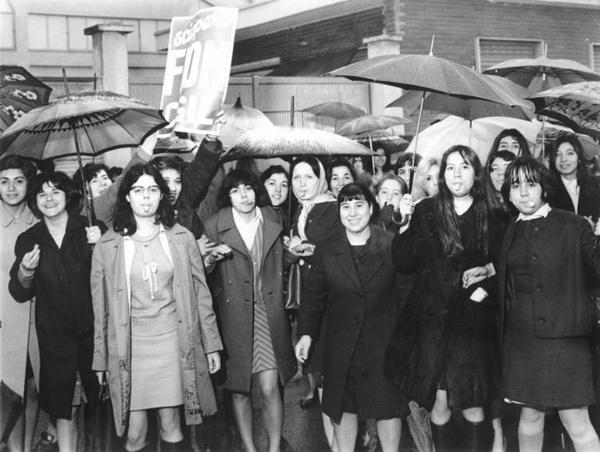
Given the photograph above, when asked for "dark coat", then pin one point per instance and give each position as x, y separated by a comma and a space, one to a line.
195, 182
589, 199
442, 337
197, 327
233, 297
562, 306
322, 222
361, 312
63, 311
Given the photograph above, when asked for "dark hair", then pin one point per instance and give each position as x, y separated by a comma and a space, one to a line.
114, 172
124, 222
405, 158
446, 216
583, 177
358, 191
507, 156
234, 179
166, 162
533, 171
341, 162
264, 199
312, 161
18, 162
388, 163
58, 180
403, 186
90, 170
523, 144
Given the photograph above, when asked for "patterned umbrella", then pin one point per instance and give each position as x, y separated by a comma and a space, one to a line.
87, 123
577, 105
20, 92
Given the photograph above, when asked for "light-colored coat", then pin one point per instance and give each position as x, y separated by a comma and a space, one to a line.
198, 332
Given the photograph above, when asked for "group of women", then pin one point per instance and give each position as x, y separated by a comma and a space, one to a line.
162, 300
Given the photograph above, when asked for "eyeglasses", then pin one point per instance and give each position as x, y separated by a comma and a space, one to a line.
141, 191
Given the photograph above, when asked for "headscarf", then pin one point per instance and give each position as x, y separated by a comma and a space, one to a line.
322, 195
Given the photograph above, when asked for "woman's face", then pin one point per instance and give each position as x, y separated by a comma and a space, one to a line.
340, 177
355, 215
144, 196
51, 201
497, 171
459, 175
305, 182
358, 165
277, 188
511, 144
390, 192
243, 198
379, 159
404, 172
432, 181
566, 159
13, 186
173, 179
99, 183
526, 196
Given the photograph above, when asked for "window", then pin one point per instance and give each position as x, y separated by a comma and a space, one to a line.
490, 51
7, 25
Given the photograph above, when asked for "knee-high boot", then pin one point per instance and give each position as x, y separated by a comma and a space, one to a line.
444, 436
477, 436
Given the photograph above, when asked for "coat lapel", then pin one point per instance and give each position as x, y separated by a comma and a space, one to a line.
376, 255
228, 232
271, 232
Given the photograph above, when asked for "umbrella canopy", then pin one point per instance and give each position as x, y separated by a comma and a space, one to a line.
516, 105
422, 73
419, 424
238, 120
277, 141
370, 123
537, 74
335, 110
479, 134
20, 92
577, 105
99, 120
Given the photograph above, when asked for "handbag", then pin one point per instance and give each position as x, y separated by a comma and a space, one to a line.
101, 433
293, 288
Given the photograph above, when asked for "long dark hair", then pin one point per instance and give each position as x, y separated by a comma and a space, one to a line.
263, 197
583, 177
446, 216
234, 179
124, 222
523, 144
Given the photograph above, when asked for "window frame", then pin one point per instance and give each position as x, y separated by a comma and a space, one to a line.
540, 46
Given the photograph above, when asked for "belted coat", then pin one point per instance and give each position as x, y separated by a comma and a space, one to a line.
197, 328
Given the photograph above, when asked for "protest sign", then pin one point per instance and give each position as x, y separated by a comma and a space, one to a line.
197, 69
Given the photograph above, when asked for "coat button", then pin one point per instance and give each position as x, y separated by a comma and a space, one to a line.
538, 289
542, 320
534, 258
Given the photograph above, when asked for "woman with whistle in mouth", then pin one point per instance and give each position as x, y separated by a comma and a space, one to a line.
246, 253
155, 332
444, 353
547, 316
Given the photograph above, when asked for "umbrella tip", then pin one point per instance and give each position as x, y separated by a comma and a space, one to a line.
238, 102
431, 47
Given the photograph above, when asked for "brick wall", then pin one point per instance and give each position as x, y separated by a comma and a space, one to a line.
456, 24
344, 32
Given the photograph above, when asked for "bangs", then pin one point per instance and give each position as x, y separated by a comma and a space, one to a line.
352, 197
355, 192
523, 172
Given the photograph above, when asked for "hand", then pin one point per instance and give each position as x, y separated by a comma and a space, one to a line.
31, 259
406, 205
205, 245
303, 347
597, 228
214, 362
93, 234
473, 276
299, 247
100, 376
216, 254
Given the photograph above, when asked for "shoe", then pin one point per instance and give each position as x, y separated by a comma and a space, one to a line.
47, 443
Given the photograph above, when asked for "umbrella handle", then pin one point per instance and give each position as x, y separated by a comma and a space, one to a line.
86, 195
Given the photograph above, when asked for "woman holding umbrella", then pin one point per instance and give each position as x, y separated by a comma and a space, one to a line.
157, 341
52, 264
444, 352
351, 279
